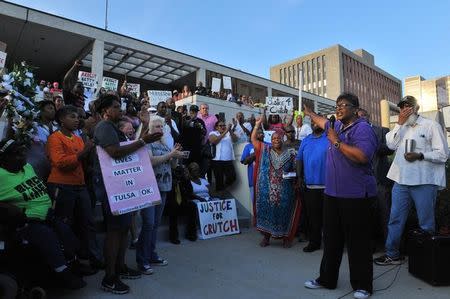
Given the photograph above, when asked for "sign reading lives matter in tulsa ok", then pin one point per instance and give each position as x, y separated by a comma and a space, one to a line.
129, 181
217, 218
279, 105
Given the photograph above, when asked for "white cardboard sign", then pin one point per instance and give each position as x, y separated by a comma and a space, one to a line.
110, 83
279, 105
215, 86
226, 82
157, 96
217, 218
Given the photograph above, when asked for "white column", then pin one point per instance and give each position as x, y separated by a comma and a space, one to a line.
200, 76
97, 60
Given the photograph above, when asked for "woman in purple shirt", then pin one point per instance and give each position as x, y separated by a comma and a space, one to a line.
350, 189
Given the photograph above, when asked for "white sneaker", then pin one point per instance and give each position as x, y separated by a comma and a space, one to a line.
313, 284
361, 294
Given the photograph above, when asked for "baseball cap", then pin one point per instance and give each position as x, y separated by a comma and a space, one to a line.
409, 100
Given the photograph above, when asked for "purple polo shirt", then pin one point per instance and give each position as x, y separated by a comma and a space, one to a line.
345, 178
209, 121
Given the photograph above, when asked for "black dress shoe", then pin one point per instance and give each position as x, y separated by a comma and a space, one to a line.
311, 248
175, 241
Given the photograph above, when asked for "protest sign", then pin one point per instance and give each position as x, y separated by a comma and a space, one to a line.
268, 136
217, 218
110, 83
215, 86
226, 82
90, 82
2, 59
129, 181
134, 88
157, 96
279, 105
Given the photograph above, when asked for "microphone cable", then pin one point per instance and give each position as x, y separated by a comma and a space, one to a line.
398, 267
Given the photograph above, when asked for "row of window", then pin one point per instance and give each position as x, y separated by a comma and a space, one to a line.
313, 71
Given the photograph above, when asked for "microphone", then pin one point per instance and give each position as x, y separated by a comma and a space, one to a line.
332, 121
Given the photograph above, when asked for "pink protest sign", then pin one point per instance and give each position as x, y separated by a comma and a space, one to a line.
129, 181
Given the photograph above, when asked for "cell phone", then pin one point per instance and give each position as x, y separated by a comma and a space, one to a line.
123, 106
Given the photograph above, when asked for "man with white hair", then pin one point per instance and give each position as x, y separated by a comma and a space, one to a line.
418, 173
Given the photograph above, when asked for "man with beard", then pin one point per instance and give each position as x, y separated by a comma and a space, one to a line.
417, 174
311, 160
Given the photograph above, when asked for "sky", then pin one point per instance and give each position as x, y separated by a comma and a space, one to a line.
407, 38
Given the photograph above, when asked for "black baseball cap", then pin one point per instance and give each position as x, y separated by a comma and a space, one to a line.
194, 108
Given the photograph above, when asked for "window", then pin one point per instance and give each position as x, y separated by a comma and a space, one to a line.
314, 69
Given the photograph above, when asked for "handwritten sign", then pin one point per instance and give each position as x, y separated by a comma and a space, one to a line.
157, 96
215, 86
226, 82
134, 88
217, 218
268, 136
2, 59
110, 83
90, 82
130, 181
279, 105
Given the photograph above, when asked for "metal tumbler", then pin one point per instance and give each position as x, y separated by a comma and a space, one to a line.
409, 145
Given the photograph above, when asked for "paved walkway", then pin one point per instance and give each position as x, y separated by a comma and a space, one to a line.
236, 267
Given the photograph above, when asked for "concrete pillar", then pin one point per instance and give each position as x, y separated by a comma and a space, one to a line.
97, 60
385, 108
316, 109
200, 76
385, 115
269, 91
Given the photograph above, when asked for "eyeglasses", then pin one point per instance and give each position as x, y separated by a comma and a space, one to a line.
343, 105
222, 125
290, 131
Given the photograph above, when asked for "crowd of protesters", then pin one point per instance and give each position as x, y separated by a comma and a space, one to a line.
327, 182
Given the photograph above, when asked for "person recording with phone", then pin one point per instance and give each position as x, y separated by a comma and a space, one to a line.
223, 138
350, 190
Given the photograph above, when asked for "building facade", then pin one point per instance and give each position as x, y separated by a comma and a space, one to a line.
332, 71
432, 94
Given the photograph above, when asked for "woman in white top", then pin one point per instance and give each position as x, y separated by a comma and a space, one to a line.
200, 186
222, 164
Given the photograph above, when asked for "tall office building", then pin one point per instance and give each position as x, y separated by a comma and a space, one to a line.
431, 94
332, 71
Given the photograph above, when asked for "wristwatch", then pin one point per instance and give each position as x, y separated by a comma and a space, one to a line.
337, 144
421, 157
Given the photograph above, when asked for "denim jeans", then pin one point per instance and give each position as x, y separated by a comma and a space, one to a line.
146, 245
424, 197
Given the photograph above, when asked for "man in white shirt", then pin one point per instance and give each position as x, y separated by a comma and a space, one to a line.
418, 174
241, 128
301, 130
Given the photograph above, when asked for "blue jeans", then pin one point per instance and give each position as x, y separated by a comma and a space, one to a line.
424, 197
151, 219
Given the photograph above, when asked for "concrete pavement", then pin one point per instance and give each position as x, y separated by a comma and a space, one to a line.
236, 267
